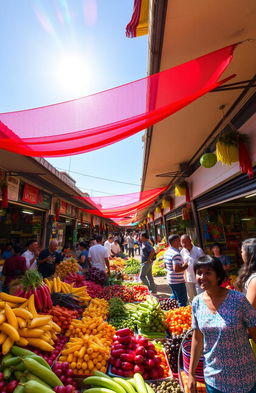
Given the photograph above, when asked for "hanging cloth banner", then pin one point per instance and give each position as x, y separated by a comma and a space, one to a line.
138, 24
121, 206
95, 121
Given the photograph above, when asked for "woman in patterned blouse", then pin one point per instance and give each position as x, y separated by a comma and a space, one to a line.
222, 319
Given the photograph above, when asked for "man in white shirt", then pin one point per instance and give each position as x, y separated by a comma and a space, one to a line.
98, 256
108, 243
31, 255
190, 255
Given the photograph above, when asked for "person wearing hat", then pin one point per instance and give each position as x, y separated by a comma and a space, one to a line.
175, 270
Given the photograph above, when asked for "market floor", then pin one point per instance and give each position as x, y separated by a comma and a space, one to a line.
163, 289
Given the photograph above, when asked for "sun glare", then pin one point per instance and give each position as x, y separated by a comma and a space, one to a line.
73, 74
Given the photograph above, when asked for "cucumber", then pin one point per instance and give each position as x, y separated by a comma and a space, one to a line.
40, 360
93, 390
125, 384
7, 373
141, 386
19, 367
18, 375
19, 389
35, 387
12, 361
42, 372
105, 383
31, 377
6, 357
18, 351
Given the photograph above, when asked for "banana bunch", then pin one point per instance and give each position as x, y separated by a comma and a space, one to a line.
56, 285
20, 324
101, 382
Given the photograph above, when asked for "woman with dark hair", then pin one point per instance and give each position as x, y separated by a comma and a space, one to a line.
217, 253
221, 321
246, 281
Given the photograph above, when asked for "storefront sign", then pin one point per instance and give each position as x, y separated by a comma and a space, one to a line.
44, 200
30, 194
63, 207
13, 188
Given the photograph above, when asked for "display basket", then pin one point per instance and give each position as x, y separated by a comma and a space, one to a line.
184, 361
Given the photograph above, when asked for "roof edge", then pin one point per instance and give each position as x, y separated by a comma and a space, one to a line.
157, 17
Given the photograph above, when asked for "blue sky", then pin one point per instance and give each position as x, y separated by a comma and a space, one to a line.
56, 50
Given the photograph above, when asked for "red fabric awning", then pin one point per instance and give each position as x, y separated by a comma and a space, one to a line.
98, 120
122, 206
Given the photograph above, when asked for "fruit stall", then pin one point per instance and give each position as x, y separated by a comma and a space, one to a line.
76, 332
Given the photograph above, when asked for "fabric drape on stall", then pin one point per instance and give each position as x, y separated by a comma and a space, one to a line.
98, 120
121, 206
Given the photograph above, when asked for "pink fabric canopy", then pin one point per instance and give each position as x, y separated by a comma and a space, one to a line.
98, 120
122, 206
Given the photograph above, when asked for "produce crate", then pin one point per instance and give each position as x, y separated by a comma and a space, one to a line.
109, 372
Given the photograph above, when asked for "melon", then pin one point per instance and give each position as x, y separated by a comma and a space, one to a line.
208, 160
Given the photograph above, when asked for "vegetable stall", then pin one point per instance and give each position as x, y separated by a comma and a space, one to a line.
77, 332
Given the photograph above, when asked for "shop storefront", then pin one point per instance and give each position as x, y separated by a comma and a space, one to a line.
159, 228
63, 223
227, 216
180, 221
24, 218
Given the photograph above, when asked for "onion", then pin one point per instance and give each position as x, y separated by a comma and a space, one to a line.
69, 389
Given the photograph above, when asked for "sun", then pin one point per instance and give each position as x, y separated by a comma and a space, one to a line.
73, 74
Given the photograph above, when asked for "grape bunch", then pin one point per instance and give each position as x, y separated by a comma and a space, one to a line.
168, 304
172, 346
167, 386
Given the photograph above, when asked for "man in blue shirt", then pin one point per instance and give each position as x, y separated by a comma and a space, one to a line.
147, 258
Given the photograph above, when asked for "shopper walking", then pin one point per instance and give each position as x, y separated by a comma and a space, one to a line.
190, 255
222, 319
246, 281
14, 267
31, 255
98, 255
125, 242
48, 259
175, 270
130, 242
147, 259
84, 256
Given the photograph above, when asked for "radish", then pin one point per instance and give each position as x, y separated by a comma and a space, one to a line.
149, 363
150, 353
127, 366
140, 351
138, 368
139, 359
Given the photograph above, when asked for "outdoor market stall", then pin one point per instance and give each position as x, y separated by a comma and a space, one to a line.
76, 331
